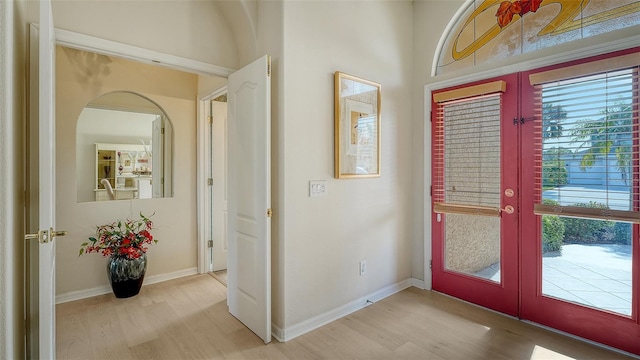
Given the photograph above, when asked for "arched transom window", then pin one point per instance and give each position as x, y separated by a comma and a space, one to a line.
490, 30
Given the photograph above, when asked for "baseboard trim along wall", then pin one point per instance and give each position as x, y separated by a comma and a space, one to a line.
418, 283
101, 290
315, 322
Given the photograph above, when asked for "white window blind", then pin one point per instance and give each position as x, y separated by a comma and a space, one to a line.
467, 156
586, 131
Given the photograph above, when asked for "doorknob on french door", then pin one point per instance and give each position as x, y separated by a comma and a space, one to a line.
45, 236
508, 209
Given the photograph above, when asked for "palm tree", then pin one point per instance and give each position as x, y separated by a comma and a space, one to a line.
552, 118
611, 132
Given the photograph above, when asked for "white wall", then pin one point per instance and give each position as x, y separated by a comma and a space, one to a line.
191, 29
430, 18
324, 238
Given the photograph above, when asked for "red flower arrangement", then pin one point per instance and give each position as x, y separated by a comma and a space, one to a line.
507, 9
128, 238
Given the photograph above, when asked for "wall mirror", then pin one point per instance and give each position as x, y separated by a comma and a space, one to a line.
357, 127
123, 149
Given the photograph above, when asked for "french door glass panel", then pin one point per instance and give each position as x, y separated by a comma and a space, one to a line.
472, 245
588, 156
471, 178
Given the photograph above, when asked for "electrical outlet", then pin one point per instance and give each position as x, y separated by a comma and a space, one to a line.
363, 267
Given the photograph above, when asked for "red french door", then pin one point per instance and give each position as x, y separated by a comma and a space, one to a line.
563, 152
475, 200
580, 209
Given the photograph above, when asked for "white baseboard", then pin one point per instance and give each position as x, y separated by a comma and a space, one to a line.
418, 283
315, 322
101, 290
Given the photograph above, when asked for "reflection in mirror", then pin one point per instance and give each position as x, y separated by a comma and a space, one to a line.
357, 127
123, 149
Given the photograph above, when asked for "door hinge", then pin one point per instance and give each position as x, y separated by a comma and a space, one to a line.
210, 181
431, 191
269, 213
162, 131
210, 119
210, 243
269, 66
430, 264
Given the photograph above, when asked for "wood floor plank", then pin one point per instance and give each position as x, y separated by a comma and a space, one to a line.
188, 318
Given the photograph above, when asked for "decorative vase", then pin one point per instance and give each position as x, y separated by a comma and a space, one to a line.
126, 275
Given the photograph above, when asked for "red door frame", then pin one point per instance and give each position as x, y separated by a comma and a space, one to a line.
608, 328
503, 296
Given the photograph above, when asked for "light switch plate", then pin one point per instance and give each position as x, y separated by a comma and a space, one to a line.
317, 188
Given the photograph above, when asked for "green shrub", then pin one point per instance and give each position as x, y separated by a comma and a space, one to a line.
552, 233
554, 173
587, 231
622, 233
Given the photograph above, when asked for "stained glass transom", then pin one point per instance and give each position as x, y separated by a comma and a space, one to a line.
491, 30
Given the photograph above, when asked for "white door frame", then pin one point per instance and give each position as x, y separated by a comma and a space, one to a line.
205, 260
43, 36
111, 48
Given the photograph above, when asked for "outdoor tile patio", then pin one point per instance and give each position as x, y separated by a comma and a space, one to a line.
593, 275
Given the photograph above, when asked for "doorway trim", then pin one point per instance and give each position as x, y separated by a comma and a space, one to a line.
203, 158
101, 46
111, 48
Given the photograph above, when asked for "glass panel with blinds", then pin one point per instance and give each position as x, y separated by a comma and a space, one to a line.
586, 129
467, 156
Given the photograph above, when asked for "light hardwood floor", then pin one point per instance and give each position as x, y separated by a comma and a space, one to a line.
187, 318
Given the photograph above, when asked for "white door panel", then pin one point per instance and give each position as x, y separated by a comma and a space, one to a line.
219, 174
249, 197
43, 42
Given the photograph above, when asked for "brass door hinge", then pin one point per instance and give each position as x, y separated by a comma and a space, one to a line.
269, 213
210, 243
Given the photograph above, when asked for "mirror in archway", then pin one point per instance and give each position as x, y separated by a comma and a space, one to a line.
123, 149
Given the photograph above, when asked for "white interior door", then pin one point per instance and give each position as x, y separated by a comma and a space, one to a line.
43, 38
249, 197
219, 209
